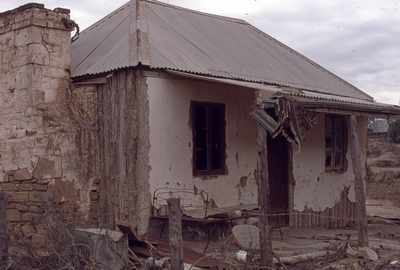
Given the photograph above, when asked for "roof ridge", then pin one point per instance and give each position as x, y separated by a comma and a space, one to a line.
312, 62
221, 17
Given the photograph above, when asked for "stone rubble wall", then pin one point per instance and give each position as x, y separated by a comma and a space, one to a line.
44, 148
26, 206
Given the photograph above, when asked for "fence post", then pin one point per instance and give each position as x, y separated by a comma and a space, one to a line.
359, 184
175, 233
3, 230
264, 199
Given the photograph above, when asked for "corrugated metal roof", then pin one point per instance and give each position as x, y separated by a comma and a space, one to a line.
309, 98
257, 86
312, 100
168, 37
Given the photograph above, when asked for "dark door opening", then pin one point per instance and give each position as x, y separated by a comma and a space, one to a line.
278, 166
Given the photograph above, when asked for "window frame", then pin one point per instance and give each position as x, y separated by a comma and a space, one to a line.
209, 171
333, 122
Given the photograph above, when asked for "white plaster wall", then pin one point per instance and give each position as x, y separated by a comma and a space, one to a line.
171, 148
171, 139
315, 188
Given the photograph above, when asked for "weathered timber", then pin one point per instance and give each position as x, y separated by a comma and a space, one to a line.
175, 233
3, 230
263, 197
360, 189
117, 146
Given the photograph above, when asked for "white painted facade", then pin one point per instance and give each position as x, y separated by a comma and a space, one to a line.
314, 187
170, 155
171, 139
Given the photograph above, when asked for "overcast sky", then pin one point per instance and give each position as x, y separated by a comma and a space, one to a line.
358, 40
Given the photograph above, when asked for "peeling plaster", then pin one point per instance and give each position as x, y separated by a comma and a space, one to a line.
171, 159
316, 189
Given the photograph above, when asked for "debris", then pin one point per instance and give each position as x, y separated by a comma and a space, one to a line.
368, 253
304, 257
247, 236
241, 256
109, 248
155, 264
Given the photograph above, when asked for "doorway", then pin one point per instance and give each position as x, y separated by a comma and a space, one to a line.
278, 166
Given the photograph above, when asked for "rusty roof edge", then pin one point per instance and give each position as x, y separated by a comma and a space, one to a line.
238, 78
369, 106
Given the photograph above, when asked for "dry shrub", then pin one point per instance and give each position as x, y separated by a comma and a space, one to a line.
62, 249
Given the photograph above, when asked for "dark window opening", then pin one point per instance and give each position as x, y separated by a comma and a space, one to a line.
208, 125
335, 143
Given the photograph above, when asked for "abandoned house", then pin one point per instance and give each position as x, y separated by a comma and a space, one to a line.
154, 101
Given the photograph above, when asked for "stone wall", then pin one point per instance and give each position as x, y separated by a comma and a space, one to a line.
27, 203
42, 143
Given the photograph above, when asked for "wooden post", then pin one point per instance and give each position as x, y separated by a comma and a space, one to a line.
3, 230
175, 233
264, 199
359, 185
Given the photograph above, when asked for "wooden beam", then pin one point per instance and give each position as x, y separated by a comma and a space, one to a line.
264, 199
359, 184
3, 230
175, 233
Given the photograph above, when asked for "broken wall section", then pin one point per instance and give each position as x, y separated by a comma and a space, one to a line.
38, 134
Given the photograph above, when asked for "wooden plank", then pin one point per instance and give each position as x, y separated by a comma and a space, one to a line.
3, 230
264, 199
360, 189
175, 233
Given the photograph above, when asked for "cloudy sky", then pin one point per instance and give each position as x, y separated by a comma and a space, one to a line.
357, 39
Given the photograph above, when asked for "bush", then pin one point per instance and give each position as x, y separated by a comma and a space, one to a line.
394, 131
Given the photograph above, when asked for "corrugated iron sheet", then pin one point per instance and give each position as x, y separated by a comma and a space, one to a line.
313, 100
257, 86
179, 39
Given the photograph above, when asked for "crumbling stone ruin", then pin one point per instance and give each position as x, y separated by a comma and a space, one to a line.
39, 136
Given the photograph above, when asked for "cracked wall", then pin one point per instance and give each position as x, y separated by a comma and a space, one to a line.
315, 189
39, 135
171, 141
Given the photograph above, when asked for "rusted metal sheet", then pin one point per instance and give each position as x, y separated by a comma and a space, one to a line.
163, 36
319, 101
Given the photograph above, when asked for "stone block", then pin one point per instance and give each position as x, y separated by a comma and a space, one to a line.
28, 216
26, 187
13, 215
36, 196
22, 207
36, 209
45, 168
39, 54
38, 240
36, 34
8, 186
20, 196
23, 77
40, 187
94, 196
22, 174
21, 57
37, 97
22, 36
27, 230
